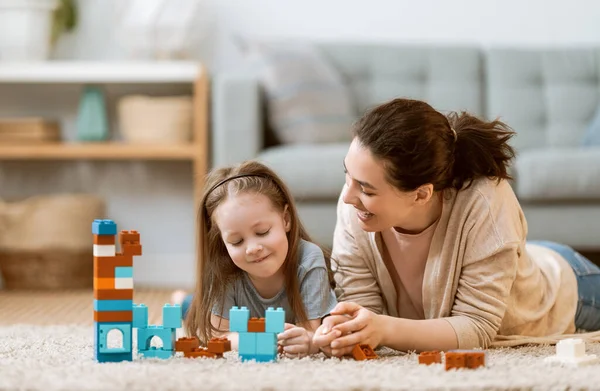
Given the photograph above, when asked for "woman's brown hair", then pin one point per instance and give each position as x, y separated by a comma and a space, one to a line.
420, 145
216, 270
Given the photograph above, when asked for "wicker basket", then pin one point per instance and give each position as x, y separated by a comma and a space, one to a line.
46, 242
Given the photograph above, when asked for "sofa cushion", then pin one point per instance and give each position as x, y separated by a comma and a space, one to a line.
312, 172
307, 100
558, 174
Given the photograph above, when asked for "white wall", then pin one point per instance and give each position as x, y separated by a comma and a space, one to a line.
156, 198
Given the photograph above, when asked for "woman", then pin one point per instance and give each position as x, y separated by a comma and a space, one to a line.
430, 244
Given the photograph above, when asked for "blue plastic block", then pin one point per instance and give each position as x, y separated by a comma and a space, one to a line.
275, 320
153, 352
238, 319
113, 305
114, 357
264, 358
266, 344
123, 272
145, 335
104, 227
101, 335
140, 316
247, 344
172, 316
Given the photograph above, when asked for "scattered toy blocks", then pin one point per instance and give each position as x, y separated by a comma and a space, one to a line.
571, 352
363, 352
470, 359
428, 358
185, 344
219, 345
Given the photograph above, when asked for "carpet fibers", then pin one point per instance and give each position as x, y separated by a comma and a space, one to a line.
60, 358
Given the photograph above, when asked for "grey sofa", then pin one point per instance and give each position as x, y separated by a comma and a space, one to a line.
548, 97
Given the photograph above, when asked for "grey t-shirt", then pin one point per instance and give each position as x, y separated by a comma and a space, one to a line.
317, 295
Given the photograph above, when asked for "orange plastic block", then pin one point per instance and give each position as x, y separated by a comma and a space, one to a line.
363, 352
132, 236
104, 283
131, 249
428, 358
219, 345
104, 239
113, 294
104, 267
256, 325
474, 359
454, 360
113, 316
201, 352
186, 344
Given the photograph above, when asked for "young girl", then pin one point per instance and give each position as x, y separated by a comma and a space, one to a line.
254, 252
430, 242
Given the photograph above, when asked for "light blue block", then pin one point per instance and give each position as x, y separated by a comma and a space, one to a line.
140, 316
153, 352
172, 316
274, 320
264, 358
102, 330
113, 305
266, 344
238, 319
247, 344
104, 227
123, 272
145, 335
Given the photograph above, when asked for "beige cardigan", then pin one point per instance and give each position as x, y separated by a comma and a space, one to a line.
479, 275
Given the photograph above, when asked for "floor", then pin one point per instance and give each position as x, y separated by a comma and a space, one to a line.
68, 307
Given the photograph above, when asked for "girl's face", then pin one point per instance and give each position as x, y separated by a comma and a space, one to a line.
254, 232
379, 205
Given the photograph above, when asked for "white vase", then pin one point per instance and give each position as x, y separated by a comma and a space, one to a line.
25, 28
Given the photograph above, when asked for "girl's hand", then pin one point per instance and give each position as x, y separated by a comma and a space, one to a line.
363, 327
325, 334
295, 341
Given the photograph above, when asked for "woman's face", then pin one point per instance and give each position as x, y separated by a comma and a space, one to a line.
379, 205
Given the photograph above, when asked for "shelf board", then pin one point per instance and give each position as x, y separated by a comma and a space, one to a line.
100, 72
97, 151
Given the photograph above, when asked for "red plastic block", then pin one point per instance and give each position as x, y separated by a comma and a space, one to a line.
256, 325
219, 345
363, 352
104, 267
428, 358
104, 239
201, 352
131, 249
186, 344
454, 360
113, 316
113, 294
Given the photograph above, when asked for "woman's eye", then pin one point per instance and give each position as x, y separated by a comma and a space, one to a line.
263, 233
367, 194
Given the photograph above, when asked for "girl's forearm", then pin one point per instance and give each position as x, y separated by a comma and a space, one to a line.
419, 335
312, 348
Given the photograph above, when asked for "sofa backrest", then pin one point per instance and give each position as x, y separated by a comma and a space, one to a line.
449, 78
547, 96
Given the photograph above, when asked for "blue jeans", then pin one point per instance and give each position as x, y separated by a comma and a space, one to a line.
588, 285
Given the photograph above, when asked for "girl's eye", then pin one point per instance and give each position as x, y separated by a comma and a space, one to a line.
263, 233
236, 243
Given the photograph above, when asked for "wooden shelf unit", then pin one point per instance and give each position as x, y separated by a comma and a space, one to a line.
171, 72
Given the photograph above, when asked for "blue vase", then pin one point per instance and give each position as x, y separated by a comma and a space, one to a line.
92, 119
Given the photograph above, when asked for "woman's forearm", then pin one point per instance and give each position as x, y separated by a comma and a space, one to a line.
419, 335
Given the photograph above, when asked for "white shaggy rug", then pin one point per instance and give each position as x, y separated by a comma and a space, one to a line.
60, 358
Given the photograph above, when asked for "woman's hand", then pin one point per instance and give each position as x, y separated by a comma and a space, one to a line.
325, 333
295, 341
361, 327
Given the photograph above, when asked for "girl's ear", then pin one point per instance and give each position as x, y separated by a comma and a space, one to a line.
287, 218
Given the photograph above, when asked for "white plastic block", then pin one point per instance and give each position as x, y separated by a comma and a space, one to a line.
571, 351
124, 283
105, 250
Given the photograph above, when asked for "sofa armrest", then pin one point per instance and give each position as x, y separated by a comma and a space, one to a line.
237, 133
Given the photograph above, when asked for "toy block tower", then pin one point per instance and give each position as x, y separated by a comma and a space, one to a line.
113, 289
257, 336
